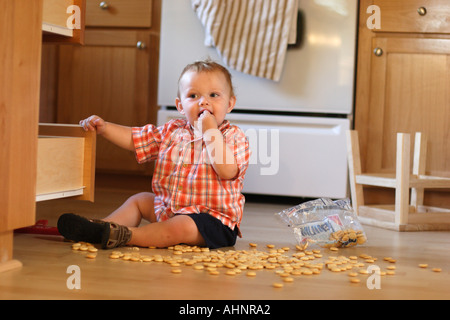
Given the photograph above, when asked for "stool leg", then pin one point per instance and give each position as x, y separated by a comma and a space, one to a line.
419, 163
402, 179
354, 168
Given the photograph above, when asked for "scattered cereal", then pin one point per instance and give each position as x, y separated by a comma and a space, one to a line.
233, 262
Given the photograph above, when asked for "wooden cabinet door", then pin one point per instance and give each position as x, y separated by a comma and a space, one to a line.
409, 92
110, 77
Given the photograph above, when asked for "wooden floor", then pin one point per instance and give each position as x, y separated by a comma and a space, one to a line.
46, 260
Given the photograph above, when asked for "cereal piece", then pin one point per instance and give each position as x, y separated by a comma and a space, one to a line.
251, 274
423, 265
363, 271
213, 272
114, 256
277, 285
392, 260
355, 280
436, 269
176, 271
270, 246
91, 256
288, 279
361, 239
253, 245
390, 267
230, 273
302, 247
352, 274
334, 249
92, 249
390, 272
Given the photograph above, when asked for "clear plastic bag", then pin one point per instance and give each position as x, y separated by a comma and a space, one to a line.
324, 222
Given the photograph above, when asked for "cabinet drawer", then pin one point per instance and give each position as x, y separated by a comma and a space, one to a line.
421, 16
65, 162
119, 13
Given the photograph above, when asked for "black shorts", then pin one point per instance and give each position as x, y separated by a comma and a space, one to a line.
213, 231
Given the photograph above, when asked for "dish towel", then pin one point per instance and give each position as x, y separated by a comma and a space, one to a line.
250, 36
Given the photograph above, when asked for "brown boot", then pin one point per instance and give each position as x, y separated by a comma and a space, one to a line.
118, 236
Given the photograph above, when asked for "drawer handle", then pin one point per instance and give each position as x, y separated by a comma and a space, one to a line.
103, 5
140, 45
422, 11
378, 51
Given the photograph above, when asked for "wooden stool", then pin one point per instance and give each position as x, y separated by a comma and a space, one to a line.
405, 215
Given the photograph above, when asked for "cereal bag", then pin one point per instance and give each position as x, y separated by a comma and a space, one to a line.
324, 222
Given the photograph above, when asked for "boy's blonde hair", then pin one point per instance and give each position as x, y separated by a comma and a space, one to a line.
207, 66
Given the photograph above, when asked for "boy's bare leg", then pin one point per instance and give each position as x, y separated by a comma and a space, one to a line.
134, 209
176, 230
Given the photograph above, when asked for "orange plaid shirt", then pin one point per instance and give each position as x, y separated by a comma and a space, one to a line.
184, 181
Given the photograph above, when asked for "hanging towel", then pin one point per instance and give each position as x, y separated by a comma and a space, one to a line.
250, 36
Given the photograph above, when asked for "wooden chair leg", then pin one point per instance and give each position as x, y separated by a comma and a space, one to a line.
354, 166
402, 179
419, 164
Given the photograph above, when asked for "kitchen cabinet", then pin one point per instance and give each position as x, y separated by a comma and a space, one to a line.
403, 77
21, 34
114, 74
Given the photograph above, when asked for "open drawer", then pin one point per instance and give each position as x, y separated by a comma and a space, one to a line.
66, 162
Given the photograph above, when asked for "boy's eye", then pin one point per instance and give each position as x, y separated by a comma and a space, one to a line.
192, 96
213, 95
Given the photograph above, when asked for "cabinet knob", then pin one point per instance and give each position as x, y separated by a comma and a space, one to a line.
103, 5
378, 51
140, 45
422, 11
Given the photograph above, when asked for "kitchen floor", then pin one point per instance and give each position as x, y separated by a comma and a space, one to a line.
47, 260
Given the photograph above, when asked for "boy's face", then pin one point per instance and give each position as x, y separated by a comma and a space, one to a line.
200, 91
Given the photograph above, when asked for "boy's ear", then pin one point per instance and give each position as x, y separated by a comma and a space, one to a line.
231, 104
179, 105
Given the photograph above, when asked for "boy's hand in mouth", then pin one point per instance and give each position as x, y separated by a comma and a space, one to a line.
206, 121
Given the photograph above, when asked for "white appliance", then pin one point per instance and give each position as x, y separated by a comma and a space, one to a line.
296, 126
